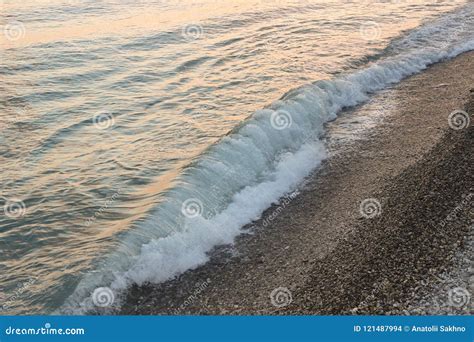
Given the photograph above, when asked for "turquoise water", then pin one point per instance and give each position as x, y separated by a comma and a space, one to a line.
108, 107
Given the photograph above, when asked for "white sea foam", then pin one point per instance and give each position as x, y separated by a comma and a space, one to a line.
245, 172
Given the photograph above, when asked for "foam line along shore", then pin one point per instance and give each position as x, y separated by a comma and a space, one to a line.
365, 233
299, 118
262, 159
139, 137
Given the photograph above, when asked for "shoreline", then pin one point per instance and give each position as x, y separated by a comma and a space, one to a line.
316, 254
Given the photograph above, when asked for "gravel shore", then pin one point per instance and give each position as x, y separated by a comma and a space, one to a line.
415, 236
383, 228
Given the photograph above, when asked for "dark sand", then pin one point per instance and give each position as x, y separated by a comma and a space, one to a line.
330, 257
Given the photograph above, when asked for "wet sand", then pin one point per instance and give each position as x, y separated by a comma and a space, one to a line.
317, 252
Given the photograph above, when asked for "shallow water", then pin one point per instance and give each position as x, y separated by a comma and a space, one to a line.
108, 110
